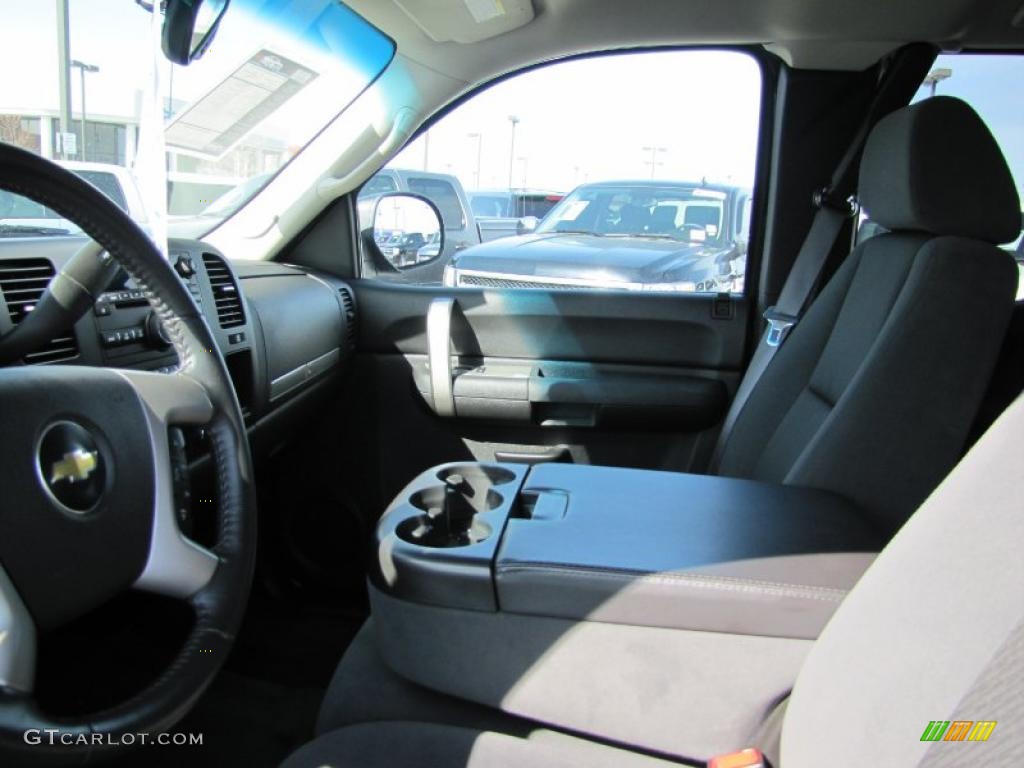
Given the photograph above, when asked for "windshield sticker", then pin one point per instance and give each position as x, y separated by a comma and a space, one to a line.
574, 209
238, 104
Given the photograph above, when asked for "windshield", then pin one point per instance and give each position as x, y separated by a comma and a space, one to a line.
277, 74
686, 213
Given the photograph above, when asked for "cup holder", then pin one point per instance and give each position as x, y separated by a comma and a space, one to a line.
451, 510
480, 499
479, 477
426, 531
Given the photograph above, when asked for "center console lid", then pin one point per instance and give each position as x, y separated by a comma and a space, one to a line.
678, 550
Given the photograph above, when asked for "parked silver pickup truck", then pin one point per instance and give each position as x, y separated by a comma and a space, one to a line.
509, 212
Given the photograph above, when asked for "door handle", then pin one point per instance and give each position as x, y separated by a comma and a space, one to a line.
557, 453
439, 325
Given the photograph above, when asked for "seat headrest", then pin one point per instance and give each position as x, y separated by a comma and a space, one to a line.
934, 167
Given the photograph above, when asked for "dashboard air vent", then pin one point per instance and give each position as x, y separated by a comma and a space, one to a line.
22, 282
348, 299
226, 297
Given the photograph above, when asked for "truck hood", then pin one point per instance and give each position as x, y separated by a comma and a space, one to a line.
592, 257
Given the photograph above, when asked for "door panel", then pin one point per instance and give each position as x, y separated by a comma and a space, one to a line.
603, 378
700, 331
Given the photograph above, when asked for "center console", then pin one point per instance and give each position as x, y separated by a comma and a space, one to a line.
543, 590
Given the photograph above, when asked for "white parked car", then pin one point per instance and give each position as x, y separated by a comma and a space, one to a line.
18, 215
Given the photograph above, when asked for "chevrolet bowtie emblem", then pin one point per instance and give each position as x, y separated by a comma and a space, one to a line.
74, 467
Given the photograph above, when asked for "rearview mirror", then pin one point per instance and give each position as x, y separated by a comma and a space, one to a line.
406, 230
189, 28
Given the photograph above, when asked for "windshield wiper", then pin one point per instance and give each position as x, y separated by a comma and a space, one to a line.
575, 232
652, 235
24, 229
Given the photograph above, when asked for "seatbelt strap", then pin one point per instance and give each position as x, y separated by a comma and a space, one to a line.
834, 207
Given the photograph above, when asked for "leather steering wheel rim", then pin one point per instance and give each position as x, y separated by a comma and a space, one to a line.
220, 603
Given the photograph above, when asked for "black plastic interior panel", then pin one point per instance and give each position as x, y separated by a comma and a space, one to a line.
611, 327
575, 394
303, 327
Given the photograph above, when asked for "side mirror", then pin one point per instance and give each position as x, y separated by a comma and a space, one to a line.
189, 28
526, 225
405, 232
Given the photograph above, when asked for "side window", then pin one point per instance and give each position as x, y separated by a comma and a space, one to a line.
489, 205
983, 80
378, 185
538, 205
572, 192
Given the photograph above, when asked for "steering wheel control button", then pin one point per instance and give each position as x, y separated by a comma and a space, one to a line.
71, 467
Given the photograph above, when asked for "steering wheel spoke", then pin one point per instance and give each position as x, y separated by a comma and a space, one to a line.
176, 565
17, 639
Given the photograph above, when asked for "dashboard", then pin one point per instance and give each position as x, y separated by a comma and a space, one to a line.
282, 330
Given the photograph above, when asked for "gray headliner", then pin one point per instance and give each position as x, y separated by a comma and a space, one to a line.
817, 34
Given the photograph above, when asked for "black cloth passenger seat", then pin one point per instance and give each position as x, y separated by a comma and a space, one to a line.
874, 391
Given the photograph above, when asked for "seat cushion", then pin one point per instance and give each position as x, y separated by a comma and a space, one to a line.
395, 698
429, 745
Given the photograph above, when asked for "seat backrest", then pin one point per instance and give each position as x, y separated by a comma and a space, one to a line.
663, 220
932, 637
701, 215
873, 393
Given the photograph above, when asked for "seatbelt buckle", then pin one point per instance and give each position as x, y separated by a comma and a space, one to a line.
827, 198
779, 325
745, 758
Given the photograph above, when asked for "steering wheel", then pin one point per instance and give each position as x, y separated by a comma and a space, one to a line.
87, 506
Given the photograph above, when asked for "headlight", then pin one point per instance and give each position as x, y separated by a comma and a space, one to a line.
450, 278
685, 287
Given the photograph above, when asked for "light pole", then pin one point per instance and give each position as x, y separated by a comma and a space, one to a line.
654, 162
936, 76
512, 149
83, 68
64, 74
479, 152
426, 150
526, 167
